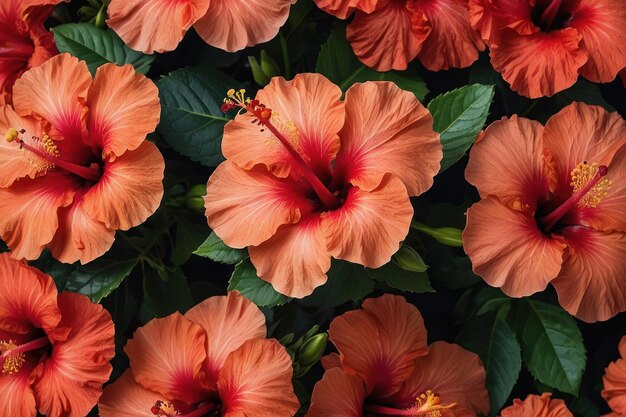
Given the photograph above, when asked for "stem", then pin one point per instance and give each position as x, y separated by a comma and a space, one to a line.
26, 347
449, 236
548, 16
89, 174
552, 218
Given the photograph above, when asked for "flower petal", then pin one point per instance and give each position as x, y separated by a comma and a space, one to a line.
69, 382
232, 26
370, 225
454, 374
388, 130
508, 250
256, 381
492, 17
537, 406
452, 43
307, 110
602, 24
28, 298
295, 260
614, 381
388, 38
16, 396
337, 394
123, 109
126, 398
130, 189
80, 237
591, 285
230, 321
344, 8
247, 207
541, 64
28, 212
166, 356
507, 162
155, 26
13, 163
380, 342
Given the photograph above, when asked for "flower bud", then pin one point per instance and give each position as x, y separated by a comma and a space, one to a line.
409, 260
312, 350
194, 199
263, 71
449, 236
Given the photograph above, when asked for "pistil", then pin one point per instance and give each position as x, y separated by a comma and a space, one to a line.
14, 356
548, 16
426, 405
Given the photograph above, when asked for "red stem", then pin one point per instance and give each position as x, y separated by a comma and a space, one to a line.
89, 174
548, 16
26, 347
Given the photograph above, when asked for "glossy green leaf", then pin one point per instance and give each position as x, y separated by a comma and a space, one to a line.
459, 116
398, 278
346, 282
192, 121
216, 250
190, 232
166, 291
98, 47
99, 278
261, 293
338, 62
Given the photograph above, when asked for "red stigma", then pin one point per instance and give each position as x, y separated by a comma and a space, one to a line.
603, 170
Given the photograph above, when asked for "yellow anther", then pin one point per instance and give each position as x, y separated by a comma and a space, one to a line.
13, 363
11, 135
428, 405
581, 175
49, 146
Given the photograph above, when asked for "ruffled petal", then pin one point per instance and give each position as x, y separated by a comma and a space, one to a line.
307, 110
344, 8
16, 395
126, 398
507, 162
492, 17
541, 64
230, 321
388, 38
591, 285
28, 298
69, 382
130, 189
454, 374
537, 406
25, 226
387, 130
155, 26
380, 342
123, 109
508, 250
79, 236
295, 260
452, 43
602, 24
232, 26
614, 382
166, 356
256, 381
247, 207
370, 225
337, 394
13, 163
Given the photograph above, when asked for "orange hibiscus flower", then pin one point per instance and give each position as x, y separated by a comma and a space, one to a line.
213, 359
385, 368
54, 348
541, 47
552, 209
537, 406
388, 35
24, 41
75, 165
614, 381
312, 177
159, 25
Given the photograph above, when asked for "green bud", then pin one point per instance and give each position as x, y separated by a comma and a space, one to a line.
101, 17
194, 199
449, 236
409, 260
312, 350
257, 72
268, 65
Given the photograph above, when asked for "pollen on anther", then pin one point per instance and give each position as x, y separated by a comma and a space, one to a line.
13, 363
582, 174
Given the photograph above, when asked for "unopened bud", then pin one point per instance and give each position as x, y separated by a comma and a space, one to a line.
312, 350
409, 260
194, 199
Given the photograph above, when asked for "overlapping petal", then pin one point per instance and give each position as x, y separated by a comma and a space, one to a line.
337, 394
126, 398
537, 406
14, 164
614, 382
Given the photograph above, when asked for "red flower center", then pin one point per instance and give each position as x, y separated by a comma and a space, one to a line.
425, 405
13, 356
179, 409
552, 17
46, 150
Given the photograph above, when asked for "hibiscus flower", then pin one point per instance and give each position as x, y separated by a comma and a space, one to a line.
552, 209
159, 25
75, 165
614, 383
24, 41
537, 406
388, 35
541, 47
214, 360
385, 368
309, 177
54, 348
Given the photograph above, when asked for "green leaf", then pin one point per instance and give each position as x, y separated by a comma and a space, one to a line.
346, 282
492, 339
192, 121
459, 116
189, 234
398, 278
552, 345
216, 250
339, 64
99, 278
98, 47
166, 292
261, 293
